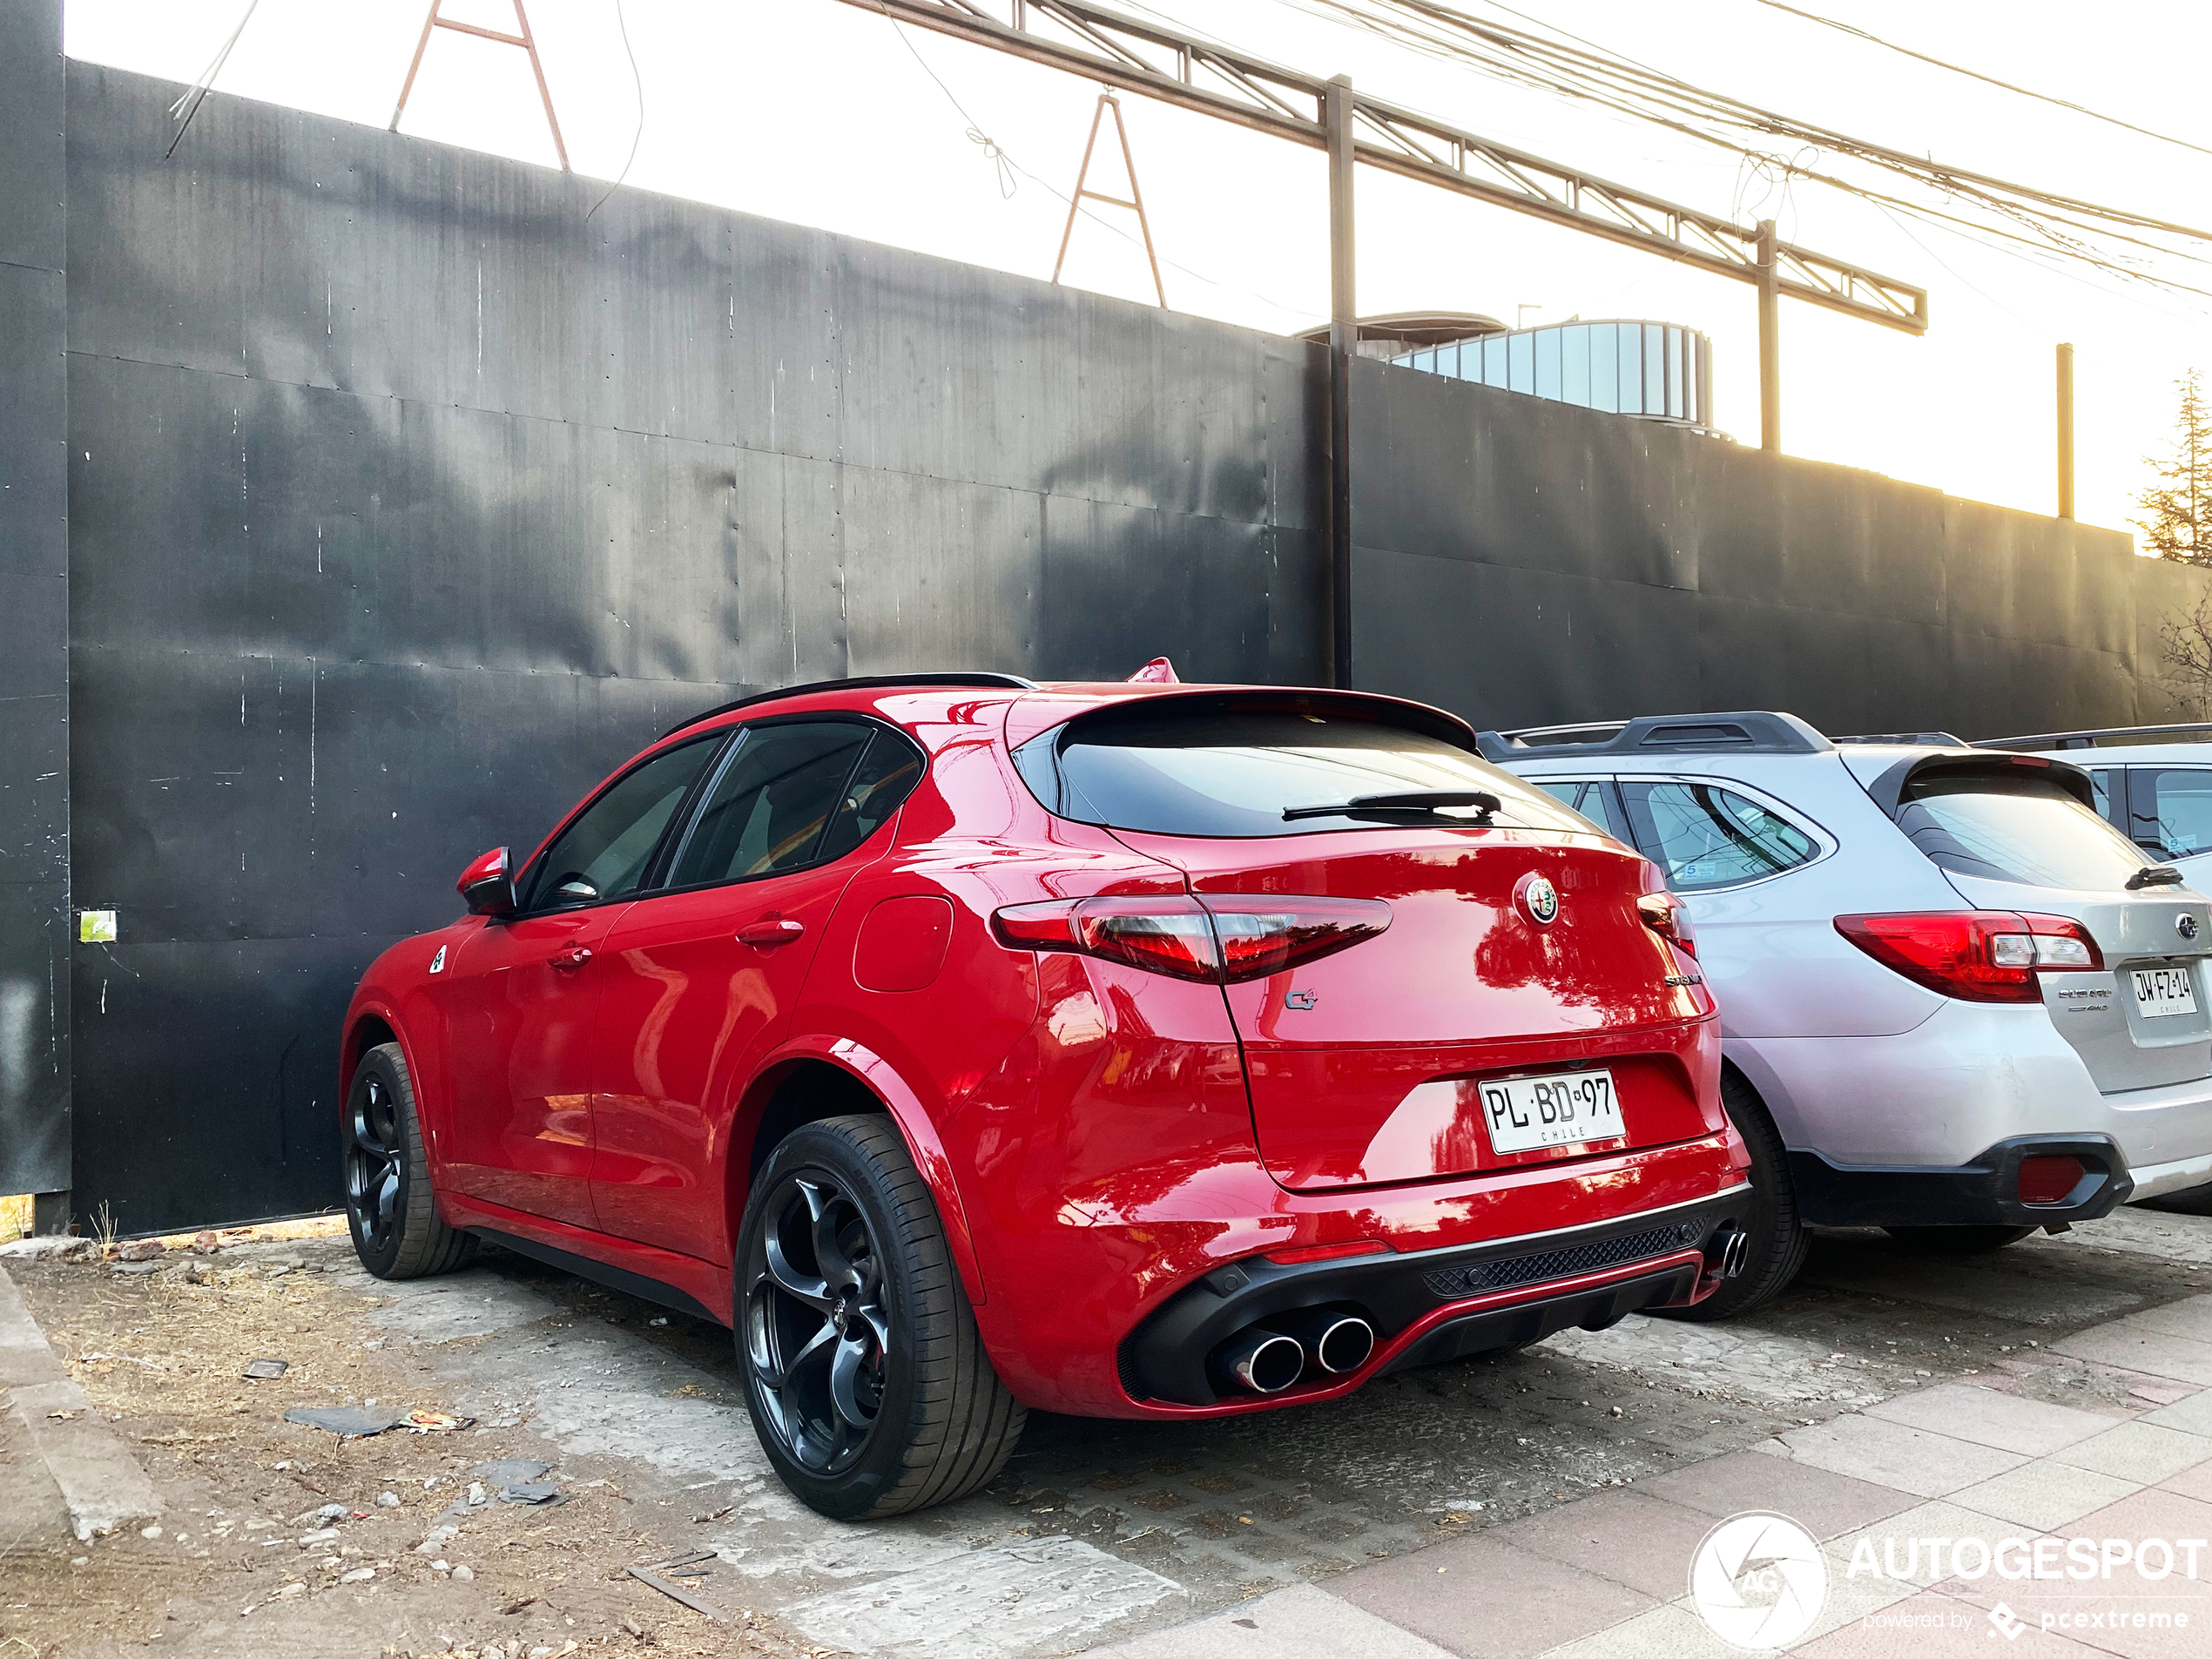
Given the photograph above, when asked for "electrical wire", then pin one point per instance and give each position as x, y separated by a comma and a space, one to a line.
2069, 226
188, 105
1976, 75
638, 80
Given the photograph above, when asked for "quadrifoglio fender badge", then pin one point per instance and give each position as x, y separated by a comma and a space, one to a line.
438, 961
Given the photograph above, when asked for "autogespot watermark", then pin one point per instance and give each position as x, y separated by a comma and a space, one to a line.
1759, 1580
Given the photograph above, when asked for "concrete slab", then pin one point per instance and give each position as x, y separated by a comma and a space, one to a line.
2191, 1317
101, 1484
1053, 1593
1629, 1537
476, 1303
1911, 1460
1743, 1360
1990, 1416
1303, 1622
2192, 1414
1823, 1502
1484, 1599
2141, 1347
2141, 1452
2044, 1494
1670, 1632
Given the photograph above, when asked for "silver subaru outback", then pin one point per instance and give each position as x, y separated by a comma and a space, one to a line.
1956, 1002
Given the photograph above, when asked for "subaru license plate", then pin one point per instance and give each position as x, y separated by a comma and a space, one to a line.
1565, 1108
2161, 991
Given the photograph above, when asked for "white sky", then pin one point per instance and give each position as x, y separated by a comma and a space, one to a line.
820, 114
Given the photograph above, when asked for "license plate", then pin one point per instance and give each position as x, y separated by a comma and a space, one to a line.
1565, 1108
2161, 991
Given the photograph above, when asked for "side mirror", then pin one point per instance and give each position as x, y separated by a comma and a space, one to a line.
487, 887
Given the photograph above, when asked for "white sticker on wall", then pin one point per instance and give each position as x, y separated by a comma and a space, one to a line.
96, 927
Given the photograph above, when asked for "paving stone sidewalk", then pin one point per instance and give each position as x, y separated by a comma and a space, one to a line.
1607, 1577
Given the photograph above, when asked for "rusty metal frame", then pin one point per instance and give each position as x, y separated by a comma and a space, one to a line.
1107, 100
527, 41
1157, 62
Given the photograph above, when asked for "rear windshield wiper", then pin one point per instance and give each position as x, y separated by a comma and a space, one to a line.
2154, 875
1421, 804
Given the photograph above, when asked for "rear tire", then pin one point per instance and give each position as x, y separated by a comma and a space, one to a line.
1778, 1240
867, 1383
1957, 1241
391, 1209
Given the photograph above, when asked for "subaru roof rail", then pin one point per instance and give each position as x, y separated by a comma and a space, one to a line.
2114, 736
864, 683
1909, 740
1743, 731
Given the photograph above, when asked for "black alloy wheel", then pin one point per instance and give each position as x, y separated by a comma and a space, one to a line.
375, 1163
867, 1380
390, 1208
817, 1333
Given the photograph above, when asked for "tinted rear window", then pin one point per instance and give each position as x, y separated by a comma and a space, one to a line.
1235, 773
2028, 830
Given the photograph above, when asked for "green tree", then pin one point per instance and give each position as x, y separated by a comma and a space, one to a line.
2177, 522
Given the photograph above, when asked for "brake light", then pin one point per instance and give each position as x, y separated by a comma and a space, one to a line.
1229, 938
1664, 914
1977, 955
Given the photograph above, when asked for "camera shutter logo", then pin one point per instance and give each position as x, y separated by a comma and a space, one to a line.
1758, 1581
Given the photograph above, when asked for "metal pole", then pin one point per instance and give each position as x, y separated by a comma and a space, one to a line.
1770, 342
1344, 344
2065, 431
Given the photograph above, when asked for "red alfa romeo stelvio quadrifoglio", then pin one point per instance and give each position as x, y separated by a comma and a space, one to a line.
1134, 1050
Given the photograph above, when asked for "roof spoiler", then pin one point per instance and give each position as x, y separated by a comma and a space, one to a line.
1891, 789
1742, 731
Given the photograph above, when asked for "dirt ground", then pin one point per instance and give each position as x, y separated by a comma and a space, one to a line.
1097, 1530
250, 1556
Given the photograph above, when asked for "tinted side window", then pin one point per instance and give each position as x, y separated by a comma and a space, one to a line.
603, 853
767, 810
1589, 796
1705, 836
885, 778
2172, 810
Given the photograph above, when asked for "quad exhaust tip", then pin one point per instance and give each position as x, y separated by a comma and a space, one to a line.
1264, 1362
1267, 1358
1727, 1252
1336, 1342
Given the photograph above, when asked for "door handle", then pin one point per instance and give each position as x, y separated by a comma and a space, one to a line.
574, 956
770, 931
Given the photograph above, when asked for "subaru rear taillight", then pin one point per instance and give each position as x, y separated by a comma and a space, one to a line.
1228, 938
1978, 955
1664, 914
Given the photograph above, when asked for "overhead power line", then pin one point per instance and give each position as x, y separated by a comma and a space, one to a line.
1976, 75
2049, 222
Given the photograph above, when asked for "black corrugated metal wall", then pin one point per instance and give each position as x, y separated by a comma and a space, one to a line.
404, 503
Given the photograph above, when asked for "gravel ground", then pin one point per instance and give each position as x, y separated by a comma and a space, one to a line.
1097, 1530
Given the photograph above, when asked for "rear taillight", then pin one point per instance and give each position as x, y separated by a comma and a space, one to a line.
1664, 914
1978, 956
1228, 938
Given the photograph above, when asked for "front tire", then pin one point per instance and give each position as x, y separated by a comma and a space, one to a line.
1778, 1240
867, 1383
1957, 1241
390, 1208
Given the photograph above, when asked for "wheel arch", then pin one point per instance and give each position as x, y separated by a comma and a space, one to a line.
367, 1028
825, 1076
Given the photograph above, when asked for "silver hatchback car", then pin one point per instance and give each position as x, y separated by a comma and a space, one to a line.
1956, 1002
